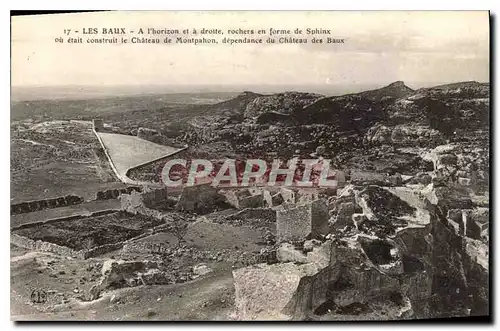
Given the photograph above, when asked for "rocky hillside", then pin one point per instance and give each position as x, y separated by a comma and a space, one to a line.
284, 103
395, 114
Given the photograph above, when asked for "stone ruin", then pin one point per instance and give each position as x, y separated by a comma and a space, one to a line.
200, 199
115, 193
302, 221
243, 198
150, 202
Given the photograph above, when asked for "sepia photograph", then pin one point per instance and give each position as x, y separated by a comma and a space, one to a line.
250, 166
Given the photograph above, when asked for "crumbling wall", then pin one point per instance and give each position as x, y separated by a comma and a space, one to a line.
135, 203
115, 193
43, 246
31, 206
147, 247
67, 218
243, 198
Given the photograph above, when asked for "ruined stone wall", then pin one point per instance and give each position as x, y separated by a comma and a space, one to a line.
85, 254
68, 200
135, 203
43, 246
302, 221
146, 248
31, 206
115, 193
200, 199
67, 218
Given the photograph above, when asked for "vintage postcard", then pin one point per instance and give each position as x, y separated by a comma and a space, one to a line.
249, 166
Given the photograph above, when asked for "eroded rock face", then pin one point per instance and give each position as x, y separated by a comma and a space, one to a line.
282, 103
402, 258
273, 291
403, 135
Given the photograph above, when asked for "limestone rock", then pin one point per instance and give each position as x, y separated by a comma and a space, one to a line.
201, 269
310, 244
288, 253
263, 291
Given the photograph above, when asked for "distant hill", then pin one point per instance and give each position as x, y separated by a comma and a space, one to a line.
444, 107
471, 89
395, 90
467, 84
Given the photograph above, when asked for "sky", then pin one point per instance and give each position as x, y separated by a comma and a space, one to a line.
418, 48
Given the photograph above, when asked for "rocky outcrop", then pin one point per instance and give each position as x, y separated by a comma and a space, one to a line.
403, 135
394, 255
462, 90
269, 291
332, 279
281, 103
234, 107
345, 113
